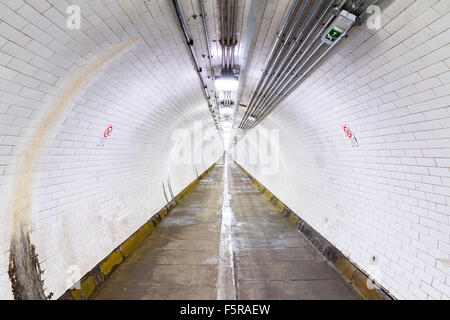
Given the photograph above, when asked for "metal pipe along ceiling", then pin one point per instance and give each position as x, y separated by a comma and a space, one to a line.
297, 50
279, 93
285, 51
300, 62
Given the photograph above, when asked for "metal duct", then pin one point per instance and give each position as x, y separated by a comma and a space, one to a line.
278, 42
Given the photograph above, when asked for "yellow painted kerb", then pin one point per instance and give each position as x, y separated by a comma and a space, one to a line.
113, 259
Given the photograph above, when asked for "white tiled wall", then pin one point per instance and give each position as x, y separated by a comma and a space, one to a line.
85, 198
389, 197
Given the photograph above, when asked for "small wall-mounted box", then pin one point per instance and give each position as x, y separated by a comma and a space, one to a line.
338, 27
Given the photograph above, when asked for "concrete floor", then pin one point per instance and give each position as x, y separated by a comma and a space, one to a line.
224, 240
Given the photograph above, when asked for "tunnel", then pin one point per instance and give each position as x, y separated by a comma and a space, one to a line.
225, 150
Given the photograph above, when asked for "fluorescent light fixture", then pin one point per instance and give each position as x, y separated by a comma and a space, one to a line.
226, 83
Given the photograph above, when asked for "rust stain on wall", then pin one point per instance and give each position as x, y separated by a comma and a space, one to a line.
24, 270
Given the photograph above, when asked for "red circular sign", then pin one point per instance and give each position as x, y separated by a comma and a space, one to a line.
107, 132
347, 131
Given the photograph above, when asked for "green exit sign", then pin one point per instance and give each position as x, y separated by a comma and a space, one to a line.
343, 22
334, 33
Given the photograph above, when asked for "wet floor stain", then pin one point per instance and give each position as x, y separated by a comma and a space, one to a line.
225, 240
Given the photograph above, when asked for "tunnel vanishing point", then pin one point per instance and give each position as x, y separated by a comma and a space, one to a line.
225, 149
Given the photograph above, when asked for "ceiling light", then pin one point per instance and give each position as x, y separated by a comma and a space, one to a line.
226, 83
